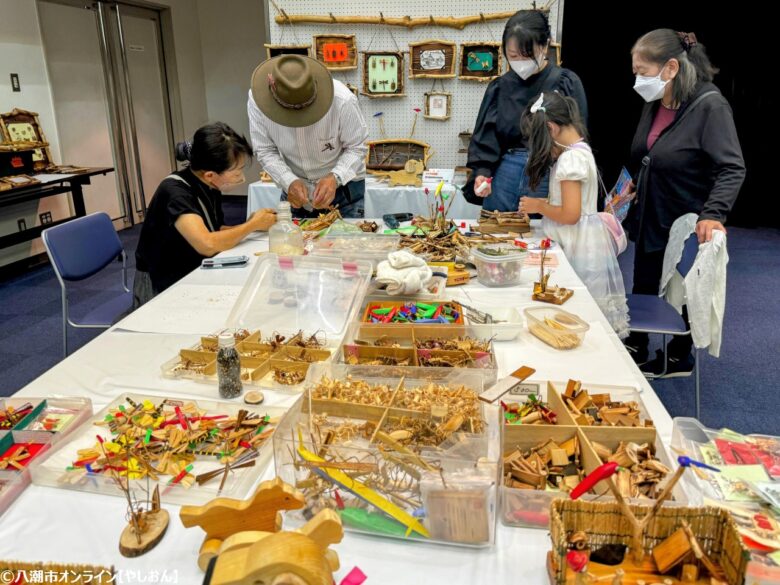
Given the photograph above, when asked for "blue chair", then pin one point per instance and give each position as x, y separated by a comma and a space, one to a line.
79, 249
652, 314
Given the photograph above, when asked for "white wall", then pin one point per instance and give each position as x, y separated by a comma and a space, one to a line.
189, 62
21, 52
232, 35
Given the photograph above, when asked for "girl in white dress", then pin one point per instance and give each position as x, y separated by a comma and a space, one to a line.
556, 136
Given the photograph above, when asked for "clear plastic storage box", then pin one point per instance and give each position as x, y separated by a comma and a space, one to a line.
371, 248
502, 268
384, 483
556, 327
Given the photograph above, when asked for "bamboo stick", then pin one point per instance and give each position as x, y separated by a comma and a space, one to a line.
406, 21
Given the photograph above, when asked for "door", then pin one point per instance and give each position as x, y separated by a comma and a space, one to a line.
122, 116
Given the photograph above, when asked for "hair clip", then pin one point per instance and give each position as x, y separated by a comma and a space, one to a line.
538, 105
688, 40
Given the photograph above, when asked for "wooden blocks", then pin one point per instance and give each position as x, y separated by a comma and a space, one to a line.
672, 551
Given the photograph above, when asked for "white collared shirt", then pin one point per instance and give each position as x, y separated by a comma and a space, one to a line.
335, 144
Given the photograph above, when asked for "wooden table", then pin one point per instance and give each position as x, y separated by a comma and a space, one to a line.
48, 185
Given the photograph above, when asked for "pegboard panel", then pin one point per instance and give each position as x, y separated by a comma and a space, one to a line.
398, 112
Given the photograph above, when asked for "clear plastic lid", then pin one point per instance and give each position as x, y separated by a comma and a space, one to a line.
361, 242
287, 294
569, 321
513, 254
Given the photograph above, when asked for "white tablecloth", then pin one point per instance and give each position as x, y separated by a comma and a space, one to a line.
380, 199
67, 526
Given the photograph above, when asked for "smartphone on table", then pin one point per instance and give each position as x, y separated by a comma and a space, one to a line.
225, 262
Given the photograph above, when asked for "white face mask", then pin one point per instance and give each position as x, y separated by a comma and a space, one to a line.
527, 67
650, 88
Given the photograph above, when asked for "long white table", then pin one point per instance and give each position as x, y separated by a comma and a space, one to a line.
380, 199
67, 526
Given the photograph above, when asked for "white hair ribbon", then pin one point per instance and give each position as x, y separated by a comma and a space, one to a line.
538, 105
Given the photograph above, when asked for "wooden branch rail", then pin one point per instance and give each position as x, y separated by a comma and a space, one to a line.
406, 21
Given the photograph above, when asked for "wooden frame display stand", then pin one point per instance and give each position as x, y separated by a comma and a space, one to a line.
336, 52
272, 51
448, 105
432, 58
480, 61
21, 130
383, 74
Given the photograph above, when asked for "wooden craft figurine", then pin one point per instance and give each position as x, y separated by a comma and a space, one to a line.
147, 525
223, 517
543, 291
299, 557
146, 520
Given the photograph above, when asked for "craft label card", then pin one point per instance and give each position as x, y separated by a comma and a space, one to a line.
735, 482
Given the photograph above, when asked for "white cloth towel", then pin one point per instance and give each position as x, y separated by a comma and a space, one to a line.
703, 290
403, 273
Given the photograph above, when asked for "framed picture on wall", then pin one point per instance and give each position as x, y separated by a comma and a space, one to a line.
432, 59
337, 52
480, 61
276, 50
23, 128
383, 74
438, 105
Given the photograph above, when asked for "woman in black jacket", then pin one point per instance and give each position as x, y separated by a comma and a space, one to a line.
498, 148
686, 158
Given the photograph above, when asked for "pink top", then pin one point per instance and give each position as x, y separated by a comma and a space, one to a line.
663, 119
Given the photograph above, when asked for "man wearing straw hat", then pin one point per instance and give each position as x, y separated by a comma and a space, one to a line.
309, 134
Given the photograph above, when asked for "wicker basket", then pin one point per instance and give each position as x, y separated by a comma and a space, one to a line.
605, 524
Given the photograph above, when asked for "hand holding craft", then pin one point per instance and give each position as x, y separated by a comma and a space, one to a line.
297, 194
482, 186
262, 219
325, 191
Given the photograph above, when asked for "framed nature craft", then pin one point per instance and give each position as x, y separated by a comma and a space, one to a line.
337, 52
383, 74
432, 58
272, 51
23, 129
480, 61
438, 105
392, 154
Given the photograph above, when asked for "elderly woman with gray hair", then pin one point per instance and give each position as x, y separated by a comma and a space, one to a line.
685, 157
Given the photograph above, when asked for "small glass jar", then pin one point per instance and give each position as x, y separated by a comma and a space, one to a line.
285, 238
228, 367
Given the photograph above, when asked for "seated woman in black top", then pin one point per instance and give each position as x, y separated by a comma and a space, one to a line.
498, 149
686, 158
184, 221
